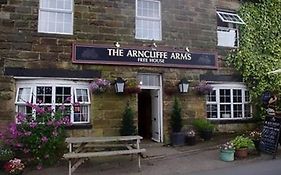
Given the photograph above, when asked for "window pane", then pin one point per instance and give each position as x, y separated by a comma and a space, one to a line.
237, 95
225, 111
247, 112
24, 95
225, 95
148, 23
211, 97
58, 18
25, 110
62, 93
82, 95
44, 94
237, 111
212, 111
81, 114
247, 96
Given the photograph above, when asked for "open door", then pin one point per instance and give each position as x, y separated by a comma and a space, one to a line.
155, 114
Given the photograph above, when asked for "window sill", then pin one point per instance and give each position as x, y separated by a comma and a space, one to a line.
233, 121
80, 126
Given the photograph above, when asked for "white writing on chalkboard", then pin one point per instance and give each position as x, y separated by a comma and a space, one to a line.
270, 134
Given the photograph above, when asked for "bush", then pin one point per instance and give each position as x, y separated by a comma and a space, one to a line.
6, 154
40, 141
128, 127
242, 142
176, 120
203, 125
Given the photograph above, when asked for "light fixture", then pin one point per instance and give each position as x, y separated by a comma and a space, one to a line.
183, 85
119, 85
117, 44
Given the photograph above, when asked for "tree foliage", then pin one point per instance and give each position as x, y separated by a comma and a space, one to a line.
260, 47
128, 127
176, 118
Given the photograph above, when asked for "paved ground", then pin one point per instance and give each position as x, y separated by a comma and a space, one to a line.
158, 159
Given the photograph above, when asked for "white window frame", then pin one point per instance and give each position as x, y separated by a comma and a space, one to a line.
231, 87
149, 19
55, 10
221, 16
228, 36
55, 83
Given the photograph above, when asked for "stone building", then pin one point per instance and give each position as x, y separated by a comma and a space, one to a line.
52, 49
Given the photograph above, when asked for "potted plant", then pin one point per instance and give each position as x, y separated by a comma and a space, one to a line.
128, 127
14, 167
132, 87
177, 137
255, 136
99, 86
227, 151
204, 127
242, 144
190, 137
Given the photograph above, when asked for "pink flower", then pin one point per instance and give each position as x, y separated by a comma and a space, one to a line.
32, 124
44, 139
27, 133
21, 117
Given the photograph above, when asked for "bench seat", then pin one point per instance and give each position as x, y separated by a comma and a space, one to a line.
102, 153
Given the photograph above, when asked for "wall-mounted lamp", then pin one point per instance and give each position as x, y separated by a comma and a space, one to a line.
119, 85
183, 85
117, 44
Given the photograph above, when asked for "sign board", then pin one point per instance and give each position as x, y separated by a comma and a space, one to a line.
97, 54
270, 135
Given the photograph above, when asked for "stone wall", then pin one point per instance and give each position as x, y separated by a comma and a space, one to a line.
189, 23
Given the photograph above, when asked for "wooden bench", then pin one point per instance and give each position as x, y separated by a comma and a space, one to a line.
83, 148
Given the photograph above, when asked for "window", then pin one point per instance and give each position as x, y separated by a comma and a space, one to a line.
148, 20
228, 102
52, 94
56, 16
227, 29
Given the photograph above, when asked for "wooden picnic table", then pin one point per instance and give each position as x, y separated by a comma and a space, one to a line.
83, 148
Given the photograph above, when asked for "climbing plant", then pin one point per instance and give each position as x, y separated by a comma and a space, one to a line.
260, 47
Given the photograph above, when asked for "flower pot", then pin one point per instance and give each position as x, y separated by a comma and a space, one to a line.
241, 153
227, 155
206, 134
190, 140
257, 145
177, 138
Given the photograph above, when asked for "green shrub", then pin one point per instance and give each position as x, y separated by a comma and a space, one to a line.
176, 120
242, 142
6, 154
203, 125
128, 127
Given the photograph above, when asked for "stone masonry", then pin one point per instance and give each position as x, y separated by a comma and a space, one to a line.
189, 23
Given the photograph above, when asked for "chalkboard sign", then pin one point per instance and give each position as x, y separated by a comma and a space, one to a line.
270, 135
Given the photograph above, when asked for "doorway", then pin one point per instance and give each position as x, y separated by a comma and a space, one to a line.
144, 113
150, 107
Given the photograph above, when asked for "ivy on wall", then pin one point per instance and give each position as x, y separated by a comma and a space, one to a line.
260, 47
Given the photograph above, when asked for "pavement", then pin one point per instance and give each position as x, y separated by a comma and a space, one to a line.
160, 159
